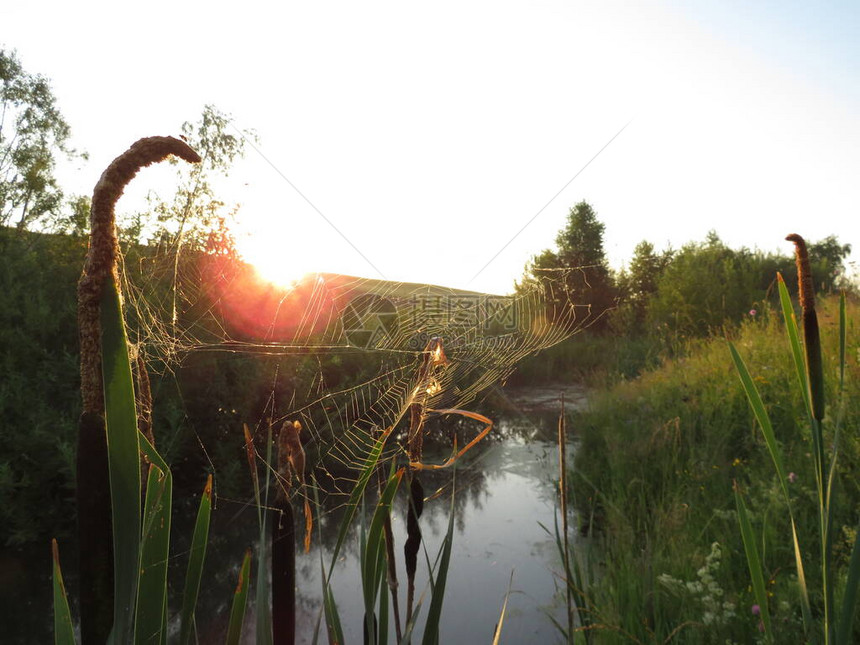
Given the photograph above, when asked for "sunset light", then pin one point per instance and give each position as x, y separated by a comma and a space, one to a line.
275, 258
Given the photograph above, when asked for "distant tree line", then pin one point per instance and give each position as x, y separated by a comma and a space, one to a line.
681, 293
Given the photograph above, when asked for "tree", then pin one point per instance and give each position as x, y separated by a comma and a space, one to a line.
193, 210
32, 133
636, 286
578, 273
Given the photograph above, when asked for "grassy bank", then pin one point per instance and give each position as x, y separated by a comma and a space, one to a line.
654, 484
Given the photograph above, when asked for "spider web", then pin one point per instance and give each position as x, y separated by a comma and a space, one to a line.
183, 302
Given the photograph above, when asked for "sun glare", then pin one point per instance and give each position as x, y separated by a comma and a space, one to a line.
275, 261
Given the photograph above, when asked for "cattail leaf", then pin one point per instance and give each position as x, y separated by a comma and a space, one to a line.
382, 628
849, 598
261, 592
373, 559
123, 462
240, 602
843, 330
332, 617
754, 563
776, 456
64, 629
375, 537
498, 632
794, 341
150, 627
251, 456
194, 572
434, 613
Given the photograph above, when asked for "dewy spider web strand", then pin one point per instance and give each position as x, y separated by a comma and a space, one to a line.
222, 306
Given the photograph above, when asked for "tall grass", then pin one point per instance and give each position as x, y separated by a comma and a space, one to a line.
654, 475
828, 624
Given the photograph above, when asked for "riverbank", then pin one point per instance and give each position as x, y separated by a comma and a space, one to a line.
656, 465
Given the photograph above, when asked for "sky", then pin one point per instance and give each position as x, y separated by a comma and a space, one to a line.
446, 142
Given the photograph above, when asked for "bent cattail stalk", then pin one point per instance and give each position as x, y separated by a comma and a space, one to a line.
93, 487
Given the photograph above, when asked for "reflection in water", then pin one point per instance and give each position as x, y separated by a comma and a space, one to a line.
504, 487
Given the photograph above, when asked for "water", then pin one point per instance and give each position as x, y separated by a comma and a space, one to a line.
505, 487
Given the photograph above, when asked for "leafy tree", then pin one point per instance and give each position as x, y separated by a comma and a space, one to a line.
637, 285
193, 210
827, 258
32, 133
578, 272
707, 284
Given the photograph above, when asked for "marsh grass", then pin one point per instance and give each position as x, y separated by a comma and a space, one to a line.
828, 624
654, 473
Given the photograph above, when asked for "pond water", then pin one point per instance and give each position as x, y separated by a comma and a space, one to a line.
505, 487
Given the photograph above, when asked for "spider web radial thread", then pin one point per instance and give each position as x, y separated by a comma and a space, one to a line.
180, 303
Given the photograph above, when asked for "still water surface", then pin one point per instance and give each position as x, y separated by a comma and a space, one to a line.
505, 487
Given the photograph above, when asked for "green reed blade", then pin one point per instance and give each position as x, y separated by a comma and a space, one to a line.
123, 462
261, 592
410, 624
794, 341
498, 633
151, 453
240, 602
194, 572
382, 628
434, 613
776, 456
376, 540
150, 625
64, 629
754, 563
374, 557
761, 416
849, 599
843, 330
335, 631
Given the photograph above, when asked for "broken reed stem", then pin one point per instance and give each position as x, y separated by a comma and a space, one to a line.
93, 486
562, 489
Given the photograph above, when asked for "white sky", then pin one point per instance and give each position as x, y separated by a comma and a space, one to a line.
430, 134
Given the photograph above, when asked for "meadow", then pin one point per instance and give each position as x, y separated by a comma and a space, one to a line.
654, 481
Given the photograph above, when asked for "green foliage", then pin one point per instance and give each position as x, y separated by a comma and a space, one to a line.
240, 601
637, 285
123, 462
194, 572
39, 395
577, 272
193, 211
64, 629
654, 476
32, 133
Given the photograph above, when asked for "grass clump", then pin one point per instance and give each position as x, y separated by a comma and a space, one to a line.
654, 478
